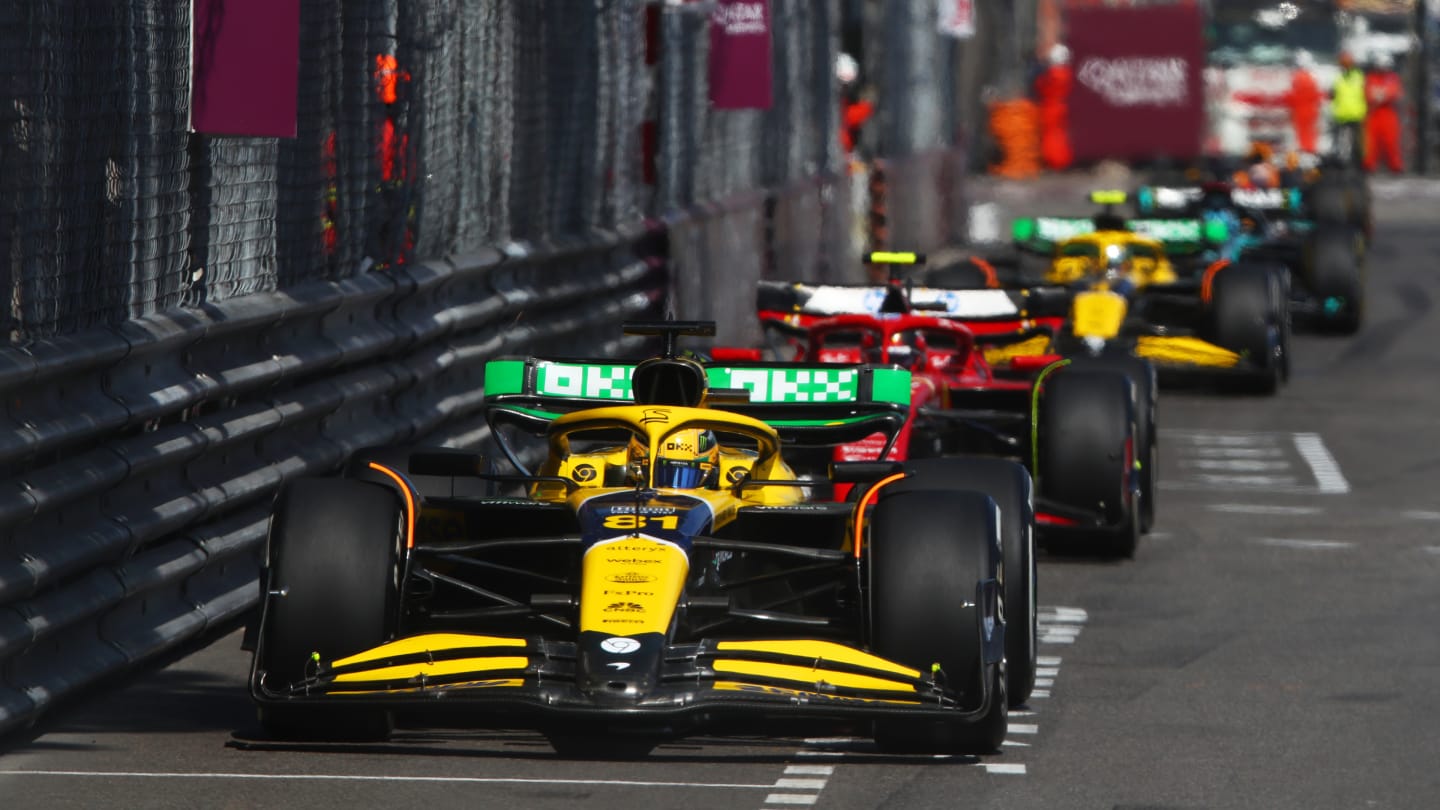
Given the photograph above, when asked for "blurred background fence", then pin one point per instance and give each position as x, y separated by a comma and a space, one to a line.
191, 320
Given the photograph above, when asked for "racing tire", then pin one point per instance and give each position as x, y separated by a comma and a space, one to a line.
929, 552
1008, 484
332, 587
1336, 273
1248, 317
1147, 446
1085, 457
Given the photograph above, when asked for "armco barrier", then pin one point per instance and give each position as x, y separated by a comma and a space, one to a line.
139, 463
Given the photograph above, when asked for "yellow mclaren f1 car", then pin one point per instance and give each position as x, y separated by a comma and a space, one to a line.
652, 568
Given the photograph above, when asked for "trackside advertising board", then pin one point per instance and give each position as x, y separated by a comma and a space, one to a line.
1139, 88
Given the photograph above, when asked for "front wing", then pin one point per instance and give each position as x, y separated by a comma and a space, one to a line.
479, 680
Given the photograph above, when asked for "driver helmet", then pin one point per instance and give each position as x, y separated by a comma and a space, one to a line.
688, 459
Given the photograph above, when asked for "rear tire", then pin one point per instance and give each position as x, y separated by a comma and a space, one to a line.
1008, 483
1246, 318
333, 554
1087, 450
1147, 446
1336, 277
929, 550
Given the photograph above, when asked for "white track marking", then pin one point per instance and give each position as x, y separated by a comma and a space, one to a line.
1263, 509
1047, 661
1044, 681
1014, 744
1046, 672
1024, 728
1237, 452
792, 798
810, 770
1016, 768
1432, 549
1244, 465
1419, 514
1327, 472
1039, 693
1313, 545
799, 784
329, 777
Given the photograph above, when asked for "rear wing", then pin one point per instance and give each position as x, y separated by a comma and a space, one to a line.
817, 404
1180, 235
1153, 201
823, 300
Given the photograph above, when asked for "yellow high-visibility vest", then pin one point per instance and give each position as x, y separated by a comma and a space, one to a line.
1349, 97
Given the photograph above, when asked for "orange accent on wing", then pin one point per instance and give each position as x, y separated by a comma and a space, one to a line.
409, 501
870, 493
992, 281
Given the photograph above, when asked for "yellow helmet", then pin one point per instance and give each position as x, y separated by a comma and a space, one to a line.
688, 459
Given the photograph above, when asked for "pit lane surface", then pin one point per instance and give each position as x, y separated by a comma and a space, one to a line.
1272, 645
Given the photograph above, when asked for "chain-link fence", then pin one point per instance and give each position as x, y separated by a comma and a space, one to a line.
425, 129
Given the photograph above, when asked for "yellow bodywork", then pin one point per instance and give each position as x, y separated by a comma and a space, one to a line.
1081, 257
1189, 351
1098, 313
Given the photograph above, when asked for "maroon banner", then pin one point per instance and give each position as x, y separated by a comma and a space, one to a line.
1138, 91
740, 55
246, 67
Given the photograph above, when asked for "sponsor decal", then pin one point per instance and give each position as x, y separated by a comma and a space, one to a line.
803, 696
630, 578
654, 415
584, 472
627, 592
624, 607
590, 382
736, 474
619, 665
631, 561
791, 385
631, 510
620, 645
621, 621
1132, 81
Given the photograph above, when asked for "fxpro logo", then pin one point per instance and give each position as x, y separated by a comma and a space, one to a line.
793, 385
1133, 81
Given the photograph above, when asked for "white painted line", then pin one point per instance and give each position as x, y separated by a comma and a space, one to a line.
1044, 681
792, 798
1419, 514
1047, 672
327, 777
1237, 452
1047, 661
1235, 465
1014, 744
1024, 728
1056, 639
832, 740
1239, 438
1432, 549
1246, 480
1327, 471
1039, 693
1060, 629
799, 784
819, 753
1019, 713
1005, 767
1063, 614
811, 770
1289, 542
1263, 509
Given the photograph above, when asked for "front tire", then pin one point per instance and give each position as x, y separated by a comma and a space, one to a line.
929, 553
331, 590
1246, 318
1008, 484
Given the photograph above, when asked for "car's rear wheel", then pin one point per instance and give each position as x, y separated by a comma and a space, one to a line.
331, 588
1336, 279
929, 553
1246, 318
1147, 446
1008, 483
1085, 457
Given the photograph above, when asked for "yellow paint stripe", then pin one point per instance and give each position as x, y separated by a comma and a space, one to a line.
485, 684
737, 686
820, 651
1186, 351
437, 669
809, 675
430, 642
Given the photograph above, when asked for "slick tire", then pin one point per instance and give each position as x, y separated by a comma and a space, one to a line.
1336, 273
331, 586
1008, 484
929, 550
1247, 317
1147, 446
1085, 456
